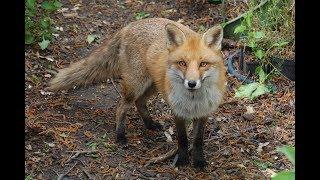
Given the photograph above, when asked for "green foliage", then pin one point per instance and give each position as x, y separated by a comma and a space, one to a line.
289, 152
255, 89
38, 24
142, 15
29, 177
269, 30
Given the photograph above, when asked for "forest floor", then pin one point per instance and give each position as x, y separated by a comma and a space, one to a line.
71, 134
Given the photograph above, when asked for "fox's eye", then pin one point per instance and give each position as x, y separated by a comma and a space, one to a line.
182, 63
203, 64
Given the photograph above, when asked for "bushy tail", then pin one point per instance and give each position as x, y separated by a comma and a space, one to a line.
102, 63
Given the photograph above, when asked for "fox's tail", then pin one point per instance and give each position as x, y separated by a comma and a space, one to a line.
102, 63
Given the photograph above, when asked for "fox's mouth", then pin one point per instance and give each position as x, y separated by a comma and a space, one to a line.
192, 90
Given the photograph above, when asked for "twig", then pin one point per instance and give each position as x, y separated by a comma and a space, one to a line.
244, 14
165, 156
81, 152
77, 153
169, 154
64, 174
115, 87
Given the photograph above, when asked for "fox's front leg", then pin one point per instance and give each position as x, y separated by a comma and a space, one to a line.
183, 157
197, 152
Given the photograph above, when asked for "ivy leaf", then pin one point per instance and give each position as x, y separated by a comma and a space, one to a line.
239, 29
44, 44
57, 4
31, 4
259, 53
262, 75
29, 38
51, 5
258, 35
91, 38
45, 22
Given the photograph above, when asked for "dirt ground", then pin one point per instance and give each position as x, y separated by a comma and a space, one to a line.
70, 135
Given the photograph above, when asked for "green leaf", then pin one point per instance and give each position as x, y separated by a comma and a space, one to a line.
280, 44
44, 44
51, 5
239, 29
248, 18
246, 90
29, 177
261, 89
31, 4
57, 4
29, 38
45, 22
262, 75
259, 53
284, 175
141, 15
289, 152
91, 38
251, 90
258, 35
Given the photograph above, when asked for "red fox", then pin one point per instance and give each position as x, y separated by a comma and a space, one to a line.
161, 55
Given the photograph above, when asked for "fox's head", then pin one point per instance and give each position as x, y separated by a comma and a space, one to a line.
196, 71
194, 58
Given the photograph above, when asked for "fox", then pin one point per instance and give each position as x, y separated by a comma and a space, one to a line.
157, 55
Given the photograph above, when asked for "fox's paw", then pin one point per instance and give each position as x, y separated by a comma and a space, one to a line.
199, 163
153, 126
183, 160
122, 140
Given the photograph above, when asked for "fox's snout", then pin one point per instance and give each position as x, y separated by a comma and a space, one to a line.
192, 84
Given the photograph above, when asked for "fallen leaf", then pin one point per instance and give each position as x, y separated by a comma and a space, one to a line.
250, 110
171, 130
261, 145
91, 38
169, 138
44, 44
47, 75
70, 15
45, 93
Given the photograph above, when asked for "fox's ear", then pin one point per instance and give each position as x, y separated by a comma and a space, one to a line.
213, 37
175, 37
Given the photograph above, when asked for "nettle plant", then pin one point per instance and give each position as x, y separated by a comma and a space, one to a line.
38, 24
262, 32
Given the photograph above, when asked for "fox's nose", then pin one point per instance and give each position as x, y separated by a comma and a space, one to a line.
192, 84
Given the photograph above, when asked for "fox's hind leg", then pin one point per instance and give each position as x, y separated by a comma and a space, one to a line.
141, 104
125, 103
121, 113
